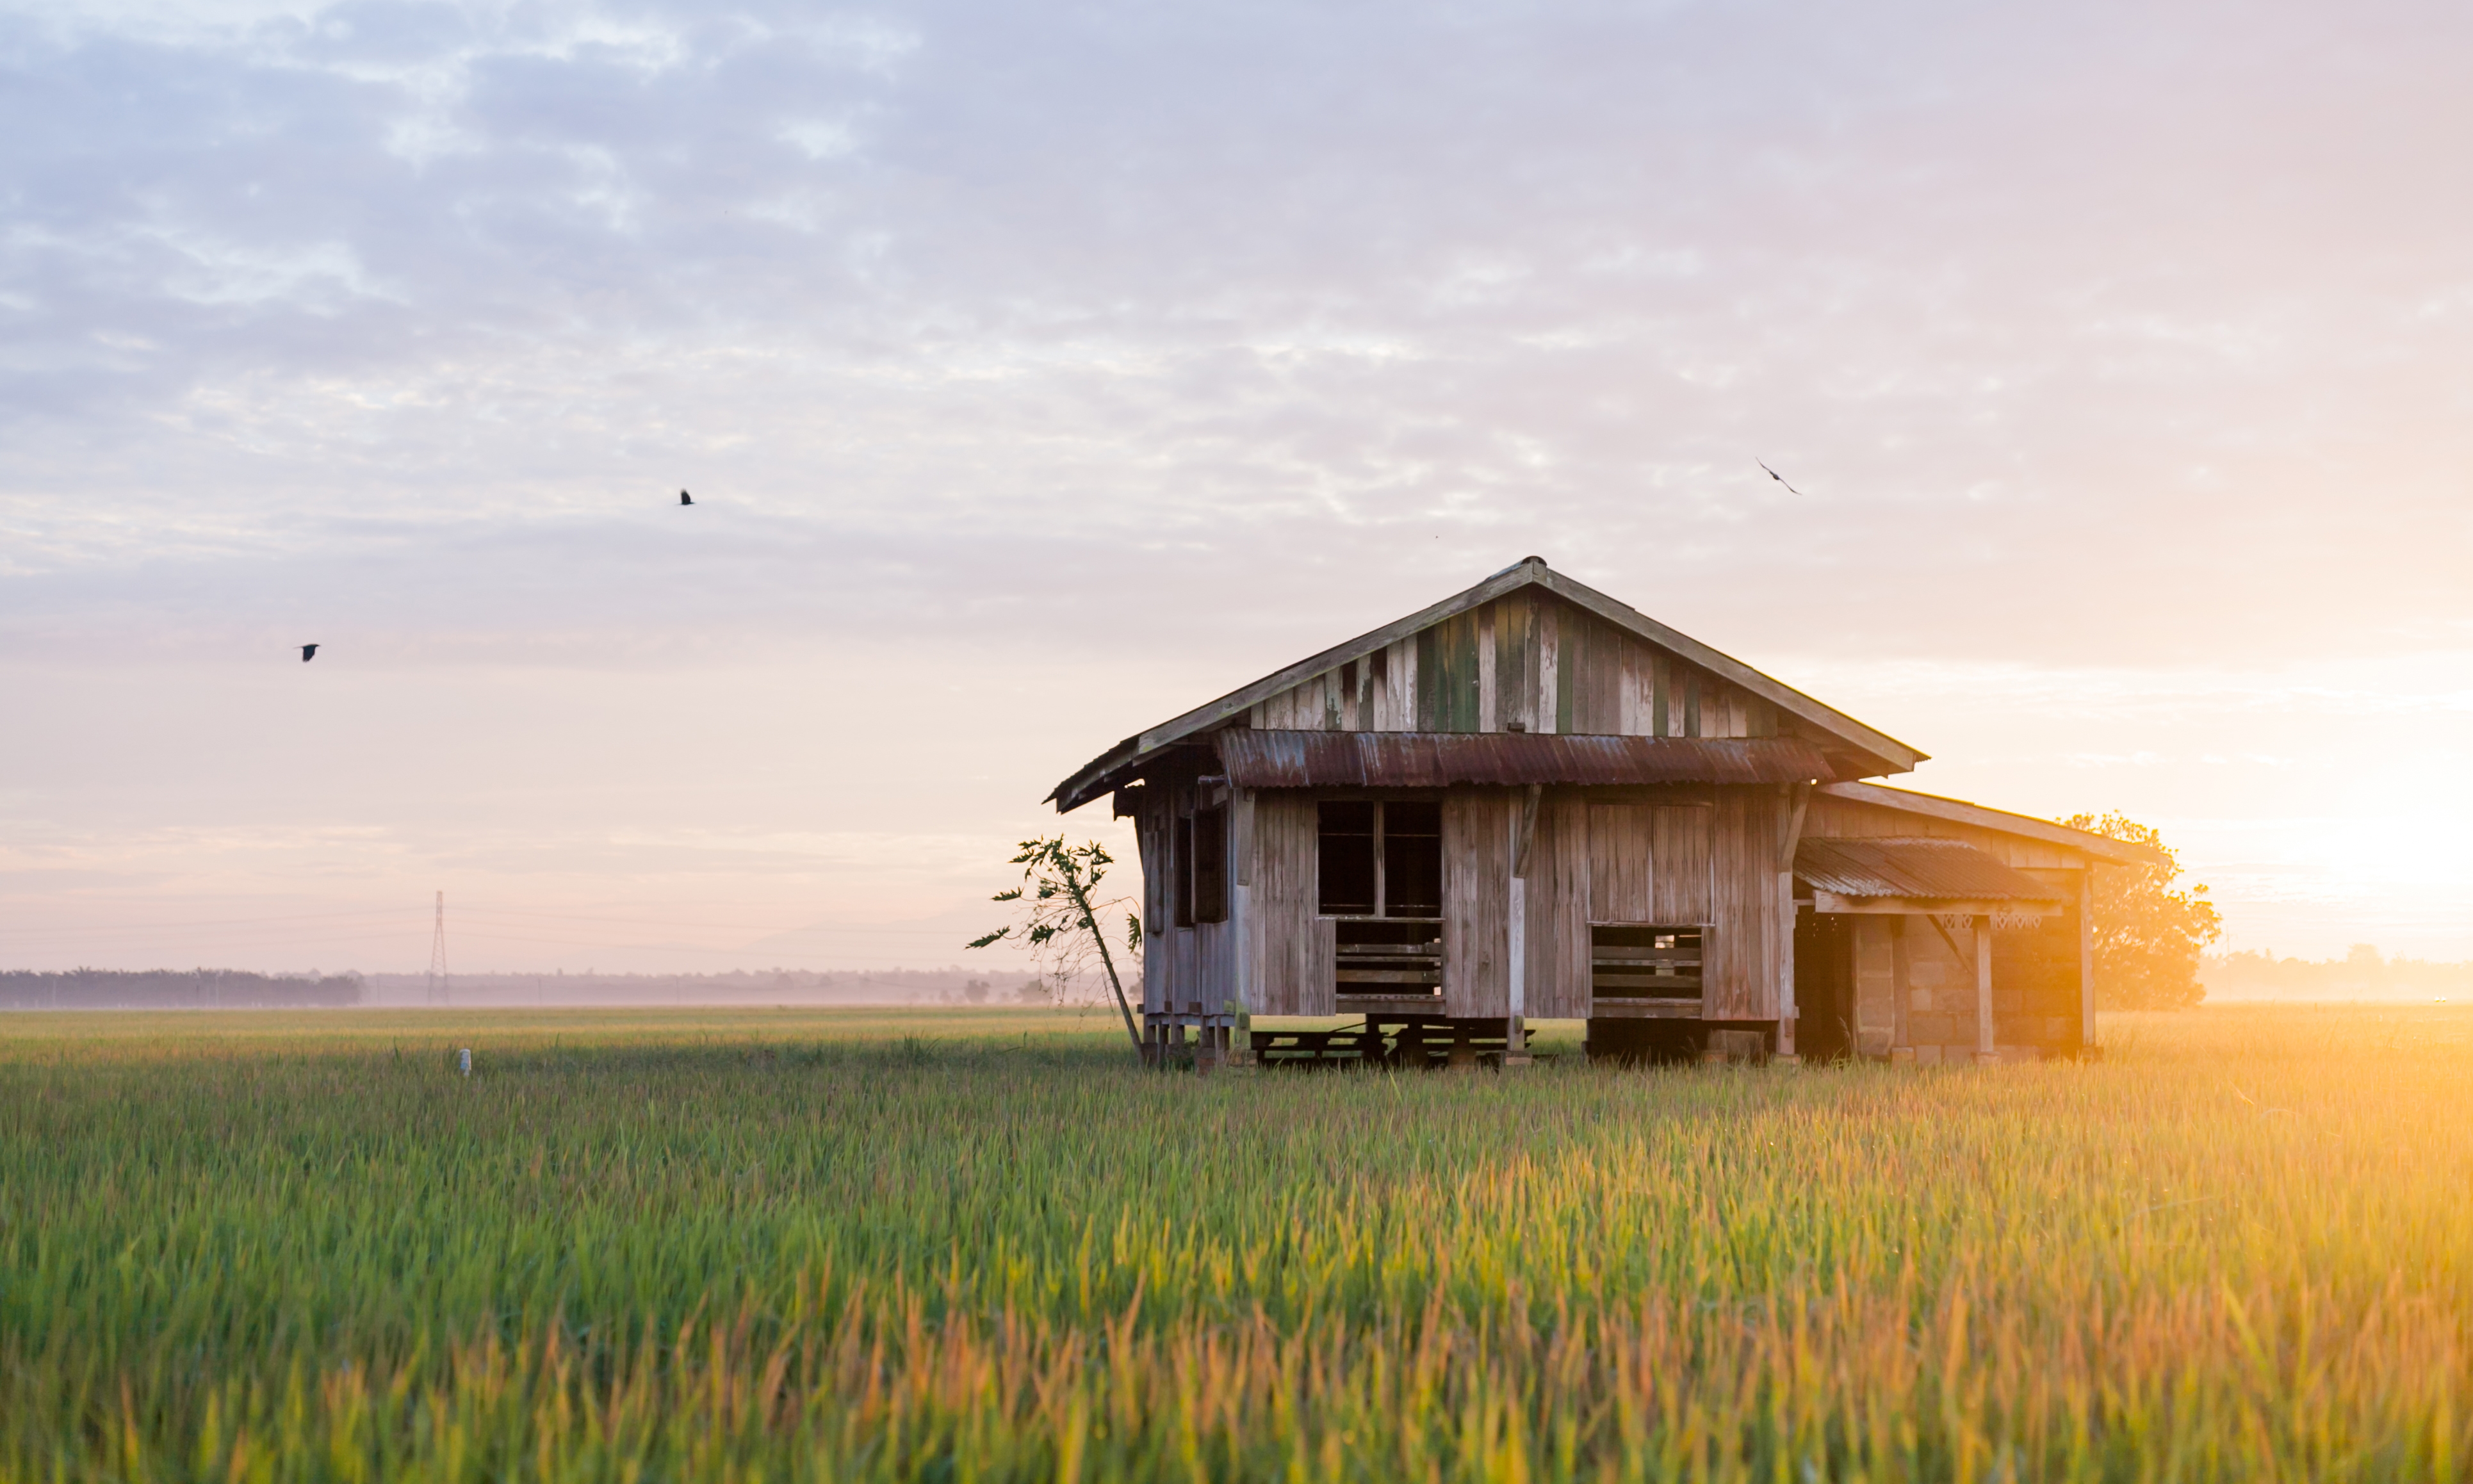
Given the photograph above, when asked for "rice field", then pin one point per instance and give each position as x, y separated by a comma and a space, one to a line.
981, 1246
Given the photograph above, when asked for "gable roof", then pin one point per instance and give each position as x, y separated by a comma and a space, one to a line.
1957, 811
1100, 774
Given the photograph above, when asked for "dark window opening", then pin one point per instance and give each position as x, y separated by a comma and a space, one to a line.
1381, 859
1210, 872
1347, 848
1412, 860
1181, 840
1644, 962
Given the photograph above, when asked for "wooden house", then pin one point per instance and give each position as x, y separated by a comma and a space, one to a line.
1531, 801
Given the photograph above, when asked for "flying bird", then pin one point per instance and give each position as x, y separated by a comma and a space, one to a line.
685, 498
308, 652
1780, 478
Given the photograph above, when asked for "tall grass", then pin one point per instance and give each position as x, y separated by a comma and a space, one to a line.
981, 1247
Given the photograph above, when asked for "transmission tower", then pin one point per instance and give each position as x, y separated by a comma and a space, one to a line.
438, 956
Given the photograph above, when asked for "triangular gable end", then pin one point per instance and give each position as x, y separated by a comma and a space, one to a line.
1527, 649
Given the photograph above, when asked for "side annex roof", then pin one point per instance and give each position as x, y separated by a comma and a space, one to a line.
1957, 811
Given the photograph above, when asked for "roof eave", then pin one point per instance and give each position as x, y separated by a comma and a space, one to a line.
1959, 811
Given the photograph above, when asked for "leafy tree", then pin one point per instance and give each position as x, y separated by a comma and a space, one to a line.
1061, 919
2147, 934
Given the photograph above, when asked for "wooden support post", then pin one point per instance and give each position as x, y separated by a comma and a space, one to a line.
1902, 979
2087, 957
1984, 1054
1524, 832
1796, 799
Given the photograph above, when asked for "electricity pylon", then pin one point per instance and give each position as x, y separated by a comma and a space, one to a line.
438, 956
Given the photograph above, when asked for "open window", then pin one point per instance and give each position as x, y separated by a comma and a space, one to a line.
1644, 962
1382, 876
1202, 868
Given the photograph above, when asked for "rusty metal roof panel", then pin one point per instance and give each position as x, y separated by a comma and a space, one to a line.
1434, 759
1949, 870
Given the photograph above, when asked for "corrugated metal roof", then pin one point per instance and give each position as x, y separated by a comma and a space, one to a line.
1948, 870
1436, 759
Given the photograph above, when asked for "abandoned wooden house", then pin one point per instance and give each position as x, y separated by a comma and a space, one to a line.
1531, 801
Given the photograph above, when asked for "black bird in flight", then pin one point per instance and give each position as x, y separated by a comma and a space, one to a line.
308, 652
1780, 478
685, 498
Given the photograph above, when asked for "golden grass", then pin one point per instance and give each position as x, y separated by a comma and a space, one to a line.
977, 1245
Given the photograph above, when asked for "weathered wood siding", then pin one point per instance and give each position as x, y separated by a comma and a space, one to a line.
1530, 658
1875, 985
1740, 955
1291, 948
1557, 908
1679, 845
1711, 864
1477, 902
1151, 833
1621, 863
1187, 969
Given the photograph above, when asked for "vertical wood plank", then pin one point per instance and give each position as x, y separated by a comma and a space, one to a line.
1622, 844
1280, 929
1558, 909
1605, 679
1489, 670
1732, 949
1679, 849
1476, 895
1150, 831
2086, 955
1984, 1040
1902, 983
1550, 666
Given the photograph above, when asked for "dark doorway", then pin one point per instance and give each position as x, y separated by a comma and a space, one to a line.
1824, 986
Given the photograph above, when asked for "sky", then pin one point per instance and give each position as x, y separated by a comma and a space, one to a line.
1042, 372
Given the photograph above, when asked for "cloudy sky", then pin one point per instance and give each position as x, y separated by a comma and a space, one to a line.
1041, 371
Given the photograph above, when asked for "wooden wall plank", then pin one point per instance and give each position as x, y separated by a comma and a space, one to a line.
1606, 678
1742, 951
1477, 902
1404, 685
1620, 852
1150, 827
1280, 931
1489, 694
1550, 667
1679, 847
1557, 928
1515, 647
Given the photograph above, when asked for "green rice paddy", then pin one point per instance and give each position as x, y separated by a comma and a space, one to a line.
982, 1246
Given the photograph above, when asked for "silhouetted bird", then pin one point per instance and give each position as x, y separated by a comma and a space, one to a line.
1780, 478
308, 652
685, 498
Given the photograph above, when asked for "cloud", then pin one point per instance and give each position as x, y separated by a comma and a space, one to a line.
1183, 339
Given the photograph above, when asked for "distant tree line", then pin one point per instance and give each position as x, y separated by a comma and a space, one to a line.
171, 988
2362, 972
